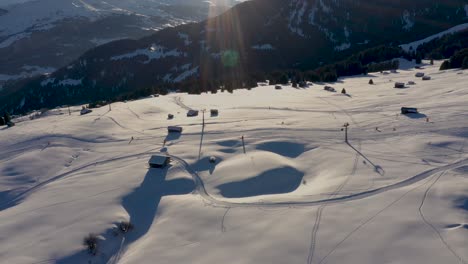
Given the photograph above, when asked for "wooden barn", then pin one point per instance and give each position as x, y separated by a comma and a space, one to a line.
399, 85
159, 161
85, 110
419, 74
409, 110
174, 129
192, 113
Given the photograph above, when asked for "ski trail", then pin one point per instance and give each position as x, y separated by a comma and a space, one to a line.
178, 101
313, 242
318, 218
315, 229
366, 222
223, 227
429, 224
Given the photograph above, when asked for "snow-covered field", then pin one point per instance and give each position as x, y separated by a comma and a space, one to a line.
397, 192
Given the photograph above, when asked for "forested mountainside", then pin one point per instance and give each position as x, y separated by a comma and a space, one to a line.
251, 39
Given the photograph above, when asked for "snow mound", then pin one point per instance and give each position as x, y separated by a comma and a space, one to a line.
275, 181
283, 148
255, 174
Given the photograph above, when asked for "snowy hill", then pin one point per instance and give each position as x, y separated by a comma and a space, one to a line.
413, 46
394, 193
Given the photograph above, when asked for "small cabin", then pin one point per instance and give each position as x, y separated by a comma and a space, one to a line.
399, 85
419, 74
159, 161
426, 78
329, 88
214, 112
409, 110
278, 87
174, 129
192, 113
85, 111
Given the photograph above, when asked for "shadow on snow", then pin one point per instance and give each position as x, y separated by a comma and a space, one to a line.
276, 181
142, 206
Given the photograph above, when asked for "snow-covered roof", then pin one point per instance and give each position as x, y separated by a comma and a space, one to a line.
174, 128
158, 159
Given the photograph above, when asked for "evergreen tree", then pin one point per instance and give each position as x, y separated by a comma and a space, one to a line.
371, 81
343, 91
7, 117
418, 59
465, 63
2, 122
330, 77
445, 65
283, 79
294, 84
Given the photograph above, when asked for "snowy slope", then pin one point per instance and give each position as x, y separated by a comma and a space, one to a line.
52, 33
396, 193
415, 44
42, 14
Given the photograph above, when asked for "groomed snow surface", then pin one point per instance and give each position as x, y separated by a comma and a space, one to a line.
395, 193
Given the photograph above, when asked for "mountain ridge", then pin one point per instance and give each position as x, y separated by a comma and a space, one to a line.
53, 33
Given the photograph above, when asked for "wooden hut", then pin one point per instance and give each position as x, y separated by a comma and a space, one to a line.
399, 85
192, 113
409, 110
159, 161
174, 129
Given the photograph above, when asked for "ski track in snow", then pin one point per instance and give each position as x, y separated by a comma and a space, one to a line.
178, 101
200, 186
426, 221
315, 229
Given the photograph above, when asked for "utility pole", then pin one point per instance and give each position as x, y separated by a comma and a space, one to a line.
203, 113
243, 143
346, 125
110, 107
69, 111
